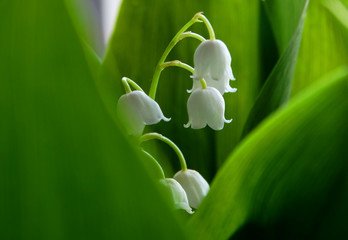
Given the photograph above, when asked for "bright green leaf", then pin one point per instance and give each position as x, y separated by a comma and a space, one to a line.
66, 170
339, 10
288, 179
284, 17
276, 90
323, 47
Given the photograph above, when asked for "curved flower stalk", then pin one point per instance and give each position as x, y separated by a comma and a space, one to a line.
151, 136
136, 109
206, 106
195, 186
191, 182
178, 194
212, 62
198, 17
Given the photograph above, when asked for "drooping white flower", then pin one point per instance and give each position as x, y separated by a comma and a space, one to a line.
212, 62
195, 186
178, 194
135, 109
206, 106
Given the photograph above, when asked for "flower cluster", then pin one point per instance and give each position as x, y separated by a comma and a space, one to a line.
211, 78
206, 106
187, 188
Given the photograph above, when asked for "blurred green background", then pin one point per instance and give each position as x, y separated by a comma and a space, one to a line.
278, 171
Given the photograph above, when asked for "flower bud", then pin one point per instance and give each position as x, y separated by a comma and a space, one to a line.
212, 62
178, 194
206, 106
194, 185
135, 109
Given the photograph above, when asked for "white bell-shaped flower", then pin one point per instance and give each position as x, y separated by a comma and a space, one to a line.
212, 62
206, 106
135, 109
178, 194
195, 186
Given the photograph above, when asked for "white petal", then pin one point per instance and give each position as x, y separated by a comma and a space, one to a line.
228, 121
195, 186
219, 85
178, 194
211, 56
212, 62
231, 89
130, 117
136, 109
196, 85
195, 109
222, 85
229, 74
206, 106
216, 105
187, 125
149, 108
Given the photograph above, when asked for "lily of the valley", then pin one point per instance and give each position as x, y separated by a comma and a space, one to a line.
206, 106
195, 186
212, 62
135, 109
178, 194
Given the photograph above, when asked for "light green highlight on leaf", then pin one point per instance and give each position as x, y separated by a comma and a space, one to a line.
159, 171
67, 171
276, 90
323, 47
290, 164
338, 9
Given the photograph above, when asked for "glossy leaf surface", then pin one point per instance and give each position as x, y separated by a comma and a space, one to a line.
288, 178
67, 172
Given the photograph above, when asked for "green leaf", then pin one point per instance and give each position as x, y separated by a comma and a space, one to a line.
339, 10
237, 24
66, 170
288, 179
143, 30
87, 19
284, 17
276, 90
323, 47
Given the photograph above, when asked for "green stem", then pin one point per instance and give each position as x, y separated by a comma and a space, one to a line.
166, 52
208, 25
204, 84
128, 81
150, 136
126, 85
177, 63
160, 170
192, 35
